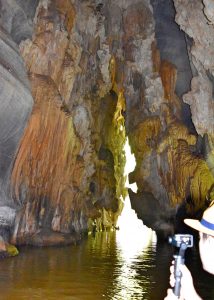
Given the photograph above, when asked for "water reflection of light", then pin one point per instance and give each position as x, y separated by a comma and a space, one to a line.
133, 239
132, 235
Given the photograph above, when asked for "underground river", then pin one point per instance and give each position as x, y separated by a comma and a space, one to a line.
109, 265
127, 264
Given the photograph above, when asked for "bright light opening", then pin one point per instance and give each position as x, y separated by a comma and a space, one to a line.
130, 166
133, 235
134, 240
128, 219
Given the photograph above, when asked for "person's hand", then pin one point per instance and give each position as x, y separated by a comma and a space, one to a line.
171, 295
187, 288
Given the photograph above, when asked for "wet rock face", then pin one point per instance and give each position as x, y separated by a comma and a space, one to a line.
89, 65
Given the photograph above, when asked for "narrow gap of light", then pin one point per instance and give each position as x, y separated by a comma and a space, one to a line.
133, 239
128, 219
132, 235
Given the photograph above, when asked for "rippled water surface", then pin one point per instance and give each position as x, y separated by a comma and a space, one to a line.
105, 266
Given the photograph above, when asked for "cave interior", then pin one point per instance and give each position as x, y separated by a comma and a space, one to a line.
79, 78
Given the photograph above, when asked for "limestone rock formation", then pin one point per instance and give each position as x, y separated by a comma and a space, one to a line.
197, 22
69, 167
78, 77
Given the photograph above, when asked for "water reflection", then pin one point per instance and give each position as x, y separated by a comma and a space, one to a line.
80, 272
135, 243
133, 235
133, 255
99, 268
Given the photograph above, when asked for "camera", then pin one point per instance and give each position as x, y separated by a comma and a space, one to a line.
178, 239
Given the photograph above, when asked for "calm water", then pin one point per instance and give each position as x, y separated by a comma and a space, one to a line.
105, 266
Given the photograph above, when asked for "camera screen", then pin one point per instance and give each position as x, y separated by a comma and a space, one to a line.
185, 238
178, 239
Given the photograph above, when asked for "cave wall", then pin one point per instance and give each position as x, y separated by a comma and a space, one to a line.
91, 73
66, 169
171, 171
68, 173
197, 23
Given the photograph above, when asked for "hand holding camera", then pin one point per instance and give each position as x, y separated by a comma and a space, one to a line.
181, 241
187, 290
181, 278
